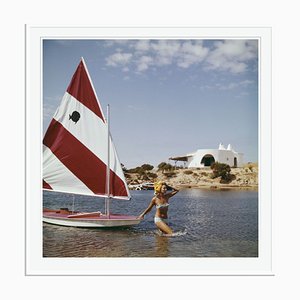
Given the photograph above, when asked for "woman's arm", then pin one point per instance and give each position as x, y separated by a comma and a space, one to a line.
152, 203
174, 192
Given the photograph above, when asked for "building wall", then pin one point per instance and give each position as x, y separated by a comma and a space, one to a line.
222, 156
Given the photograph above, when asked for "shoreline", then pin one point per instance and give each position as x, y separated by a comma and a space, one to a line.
245, 178
218, 187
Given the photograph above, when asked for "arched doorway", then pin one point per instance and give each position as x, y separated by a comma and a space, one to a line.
207, 160
235, 162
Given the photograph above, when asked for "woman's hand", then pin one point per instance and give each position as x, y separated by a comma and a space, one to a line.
140, 217
172, 188
173, 192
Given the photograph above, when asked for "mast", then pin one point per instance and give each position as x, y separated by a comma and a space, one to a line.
107, 200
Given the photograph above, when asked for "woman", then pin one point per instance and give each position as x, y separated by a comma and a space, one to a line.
161, 201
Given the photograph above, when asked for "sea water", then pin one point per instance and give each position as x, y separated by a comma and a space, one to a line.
206, 223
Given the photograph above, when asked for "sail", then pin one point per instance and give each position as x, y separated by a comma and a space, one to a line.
75, 145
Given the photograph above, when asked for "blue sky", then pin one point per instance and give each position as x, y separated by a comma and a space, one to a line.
167, 97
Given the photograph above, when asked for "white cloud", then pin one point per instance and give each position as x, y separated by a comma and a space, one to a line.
50, 104
48, 111
142, 45
229, 86
246, 82
191, 54
231, 55
224, 87
141, 55
234, 85
143, 63
118, 59
64, 42
111, 43
166, 49
153, 53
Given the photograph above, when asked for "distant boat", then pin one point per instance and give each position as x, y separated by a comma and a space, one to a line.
141, 186
136, 187
79, 157
147, 186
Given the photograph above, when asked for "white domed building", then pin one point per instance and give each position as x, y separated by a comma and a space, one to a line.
205, 157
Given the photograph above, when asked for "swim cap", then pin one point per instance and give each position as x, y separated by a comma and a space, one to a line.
157, 186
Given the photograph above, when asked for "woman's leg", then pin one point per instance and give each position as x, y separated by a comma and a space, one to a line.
164, 227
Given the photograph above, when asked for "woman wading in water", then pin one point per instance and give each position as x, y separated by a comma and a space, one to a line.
161, 201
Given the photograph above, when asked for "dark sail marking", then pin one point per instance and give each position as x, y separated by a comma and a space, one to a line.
75, 116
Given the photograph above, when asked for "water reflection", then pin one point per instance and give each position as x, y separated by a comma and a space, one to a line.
162, 245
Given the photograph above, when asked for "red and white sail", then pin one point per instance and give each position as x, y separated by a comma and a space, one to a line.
75, 146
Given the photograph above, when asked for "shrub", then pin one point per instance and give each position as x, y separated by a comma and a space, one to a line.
134, 170
223, 171
163, 166
152, 175
142, 169
170, 174
147, 167
188, 172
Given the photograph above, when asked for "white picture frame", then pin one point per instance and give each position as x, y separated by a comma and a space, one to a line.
36, 264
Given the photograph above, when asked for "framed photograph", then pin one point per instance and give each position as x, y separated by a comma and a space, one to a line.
148, 151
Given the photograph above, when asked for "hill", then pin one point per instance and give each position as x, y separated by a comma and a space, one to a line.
245, 177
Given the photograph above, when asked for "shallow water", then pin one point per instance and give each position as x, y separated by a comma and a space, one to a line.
207, 223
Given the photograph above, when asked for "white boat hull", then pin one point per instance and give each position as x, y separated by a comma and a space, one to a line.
89, 220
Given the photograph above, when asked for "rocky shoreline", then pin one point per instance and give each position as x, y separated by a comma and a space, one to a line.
244, 178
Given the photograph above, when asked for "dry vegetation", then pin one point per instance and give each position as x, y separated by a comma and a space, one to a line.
245, 177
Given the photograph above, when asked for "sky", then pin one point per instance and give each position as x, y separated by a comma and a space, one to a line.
167, 97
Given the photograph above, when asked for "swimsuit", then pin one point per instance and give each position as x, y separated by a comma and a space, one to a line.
158, 219
162, 205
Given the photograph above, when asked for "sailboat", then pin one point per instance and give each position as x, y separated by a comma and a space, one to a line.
79, 157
